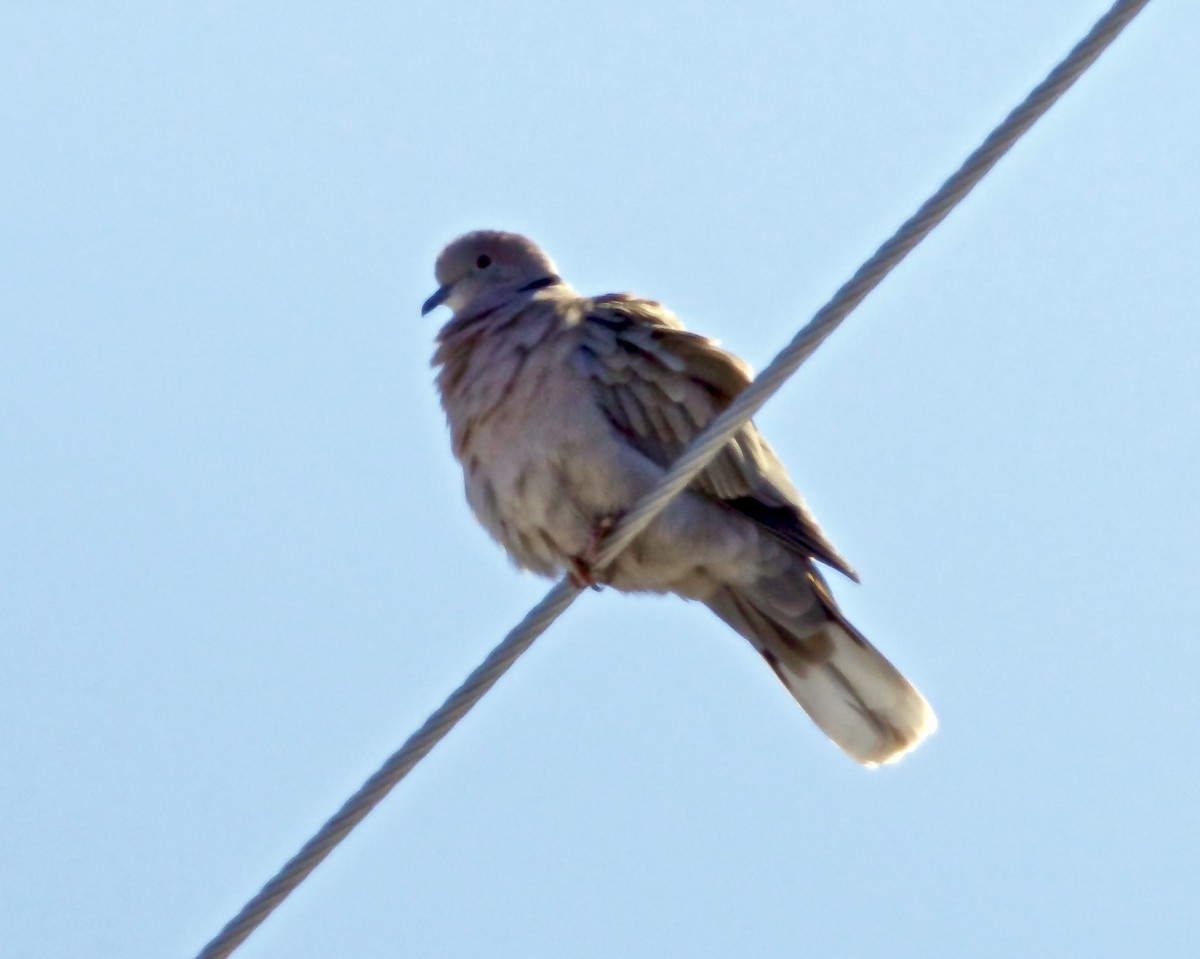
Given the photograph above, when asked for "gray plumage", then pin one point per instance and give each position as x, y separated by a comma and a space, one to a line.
564, 410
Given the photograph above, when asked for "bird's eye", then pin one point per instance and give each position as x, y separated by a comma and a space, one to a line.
484, 261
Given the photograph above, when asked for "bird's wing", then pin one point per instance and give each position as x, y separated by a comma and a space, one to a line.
659, 385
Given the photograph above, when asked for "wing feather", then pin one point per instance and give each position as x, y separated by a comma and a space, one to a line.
659, 385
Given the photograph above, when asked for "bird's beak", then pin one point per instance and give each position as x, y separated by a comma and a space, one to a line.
437, 299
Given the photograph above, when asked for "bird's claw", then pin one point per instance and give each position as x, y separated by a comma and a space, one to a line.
580, 575
580, 571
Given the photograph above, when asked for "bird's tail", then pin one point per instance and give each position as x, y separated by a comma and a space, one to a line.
845, 684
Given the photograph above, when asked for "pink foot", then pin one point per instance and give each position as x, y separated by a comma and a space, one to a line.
580, 572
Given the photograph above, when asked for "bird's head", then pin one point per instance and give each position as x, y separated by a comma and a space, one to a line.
486, 267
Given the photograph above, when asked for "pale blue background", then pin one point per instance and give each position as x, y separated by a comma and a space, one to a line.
237, 570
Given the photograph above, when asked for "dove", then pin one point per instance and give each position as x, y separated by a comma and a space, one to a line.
565, 409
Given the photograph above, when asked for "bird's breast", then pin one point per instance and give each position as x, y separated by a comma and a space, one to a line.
529, 436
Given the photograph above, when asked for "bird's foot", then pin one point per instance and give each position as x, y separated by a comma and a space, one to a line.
580, 575
580, 572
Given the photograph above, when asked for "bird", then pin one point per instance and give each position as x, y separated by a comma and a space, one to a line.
564, 410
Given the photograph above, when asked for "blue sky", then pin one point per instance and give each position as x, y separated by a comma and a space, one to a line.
236, 568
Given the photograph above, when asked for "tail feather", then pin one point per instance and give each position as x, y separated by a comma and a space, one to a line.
845, 684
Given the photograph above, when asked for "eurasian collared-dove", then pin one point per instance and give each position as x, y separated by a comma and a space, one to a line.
564, 410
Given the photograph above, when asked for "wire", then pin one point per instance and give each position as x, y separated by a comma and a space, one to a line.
705, 447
